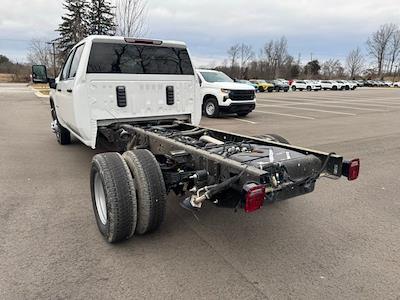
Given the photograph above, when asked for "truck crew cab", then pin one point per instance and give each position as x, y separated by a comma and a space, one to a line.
142, 97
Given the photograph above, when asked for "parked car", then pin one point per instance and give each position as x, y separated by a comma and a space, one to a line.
326, 84
380, 83
263, 85
280, 85
350, 85
360, 83
396, 84
255, 86
337, 85
298, 85
284, 81
221, 94
313, 85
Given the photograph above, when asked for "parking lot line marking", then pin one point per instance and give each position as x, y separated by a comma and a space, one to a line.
286, 115
247, 121
334, 105
310, 109
362, 99
347, 101
341, 106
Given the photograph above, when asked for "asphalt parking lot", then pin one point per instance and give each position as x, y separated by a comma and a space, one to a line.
340, 242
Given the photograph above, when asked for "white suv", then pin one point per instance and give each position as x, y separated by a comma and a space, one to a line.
337, 85
326, 84
350, 85
298, 85
220, 94
313, 85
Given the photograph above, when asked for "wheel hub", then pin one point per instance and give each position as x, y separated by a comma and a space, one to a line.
100, 199
210, 108
54, 126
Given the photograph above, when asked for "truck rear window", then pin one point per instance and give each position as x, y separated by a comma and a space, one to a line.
138, 59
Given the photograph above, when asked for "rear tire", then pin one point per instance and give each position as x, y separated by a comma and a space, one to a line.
113, 197
150, 189
309, 88
273, 137
293, 88
211, 108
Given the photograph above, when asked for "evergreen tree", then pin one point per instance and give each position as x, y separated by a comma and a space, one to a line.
74, 26
101, 18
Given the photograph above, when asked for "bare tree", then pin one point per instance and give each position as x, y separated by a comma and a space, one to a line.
331, 68
233, 54
276, 57
130, 17
394, 49
246, 54
378, 44
39, 53
355, 62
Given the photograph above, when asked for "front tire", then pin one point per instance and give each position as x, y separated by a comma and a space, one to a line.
309, 88
150, 189
113, 197
293, 88
62, 134
211, 108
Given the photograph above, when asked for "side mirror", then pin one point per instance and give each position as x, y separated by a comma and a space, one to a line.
52, 83
39, 74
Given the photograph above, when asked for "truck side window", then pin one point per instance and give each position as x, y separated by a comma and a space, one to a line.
67, 66
75, 61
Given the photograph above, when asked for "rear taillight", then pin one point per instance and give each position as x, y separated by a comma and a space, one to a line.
255, 195
351, 169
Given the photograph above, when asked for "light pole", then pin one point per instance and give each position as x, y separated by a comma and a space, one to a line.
53, 43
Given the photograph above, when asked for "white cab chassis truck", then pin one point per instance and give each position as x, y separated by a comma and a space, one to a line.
142, 97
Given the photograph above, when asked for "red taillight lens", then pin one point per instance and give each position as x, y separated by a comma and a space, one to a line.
354, 169
254, 198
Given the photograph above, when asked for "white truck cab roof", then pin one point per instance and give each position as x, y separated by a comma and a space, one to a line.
121, 39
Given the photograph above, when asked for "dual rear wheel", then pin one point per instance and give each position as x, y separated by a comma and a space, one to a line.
128, 194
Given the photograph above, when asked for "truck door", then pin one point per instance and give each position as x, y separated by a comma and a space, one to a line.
69, 91
61, 92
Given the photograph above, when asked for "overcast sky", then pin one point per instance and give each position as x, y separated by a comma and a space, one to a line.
324, 28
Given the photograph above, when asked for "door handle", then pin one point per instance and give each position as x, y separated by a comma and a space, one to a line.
58, 90
69, 90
